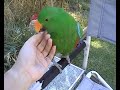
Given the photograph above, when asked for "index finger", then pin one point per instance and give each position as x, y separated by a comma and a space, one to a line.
36, 39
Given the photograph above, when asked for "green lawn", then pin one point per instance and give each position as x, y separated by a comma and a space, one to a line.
102, 58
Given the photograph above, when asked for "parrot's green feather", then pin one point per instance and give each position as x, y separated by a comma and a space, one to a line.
61, 26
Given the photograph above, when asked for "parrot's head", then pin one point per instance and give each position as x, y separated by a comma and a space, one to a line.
35, 23
46, 18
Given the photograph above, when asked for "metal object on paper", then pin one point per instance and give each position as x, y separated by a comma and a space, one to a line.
65, 81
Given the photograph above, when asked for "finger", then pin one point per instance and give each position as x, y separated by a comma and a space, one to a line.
51, 54
45, 32
47, 47
42, 45
35, 39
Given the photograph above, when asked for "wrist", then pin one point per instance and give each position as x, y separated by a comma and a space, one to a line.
21, 78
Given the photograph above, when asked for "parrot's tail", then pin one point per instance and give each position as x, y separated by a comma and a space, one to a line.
78, 39
77, 42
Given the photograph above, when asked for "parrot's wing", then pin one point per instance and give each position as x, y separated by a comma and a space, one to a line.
79, 30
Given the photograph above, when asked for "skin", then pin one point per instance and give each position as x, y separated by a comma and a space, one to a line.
32, 62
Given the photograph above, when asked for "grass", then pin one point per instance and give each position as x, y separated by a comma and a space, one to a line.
17, 15
102, 58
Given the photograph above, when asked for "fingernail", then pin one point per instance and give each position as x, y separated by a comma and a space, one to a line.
50, 40
55, 46
49, 35
41, 32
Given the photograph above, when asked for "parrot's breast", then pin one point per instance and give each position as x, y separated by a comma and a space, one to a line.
64, 37
61, 26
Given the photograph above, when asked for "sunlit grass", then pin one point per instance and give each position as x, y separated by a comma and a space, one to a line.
96, 44
102, 58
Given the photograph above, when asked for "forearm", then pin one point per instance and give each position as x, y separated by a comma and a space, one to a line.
16, 80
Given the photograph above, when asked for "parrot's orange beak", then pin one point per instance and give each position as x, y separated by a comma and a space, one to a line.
38, 26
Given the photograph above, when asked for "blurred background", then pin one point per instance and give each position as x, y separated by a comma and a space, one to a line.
17, 17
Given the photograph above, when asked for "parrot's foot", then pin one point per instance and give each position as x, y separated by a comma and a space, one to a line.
56, 64
59, 55
68, 59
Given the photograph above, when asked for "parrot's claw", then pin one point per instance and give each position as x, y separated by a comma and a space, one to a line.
56, 64
68, 59
59, 55
36, 86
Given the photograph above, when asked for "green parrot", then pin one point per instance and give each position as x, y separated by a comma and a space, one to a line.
62, 27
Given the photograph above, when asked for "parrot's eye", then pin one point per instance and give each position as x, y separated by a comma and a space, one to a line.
46, 19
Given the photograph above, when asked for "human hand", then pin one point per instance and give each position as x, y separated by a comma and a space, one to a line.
35, 56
